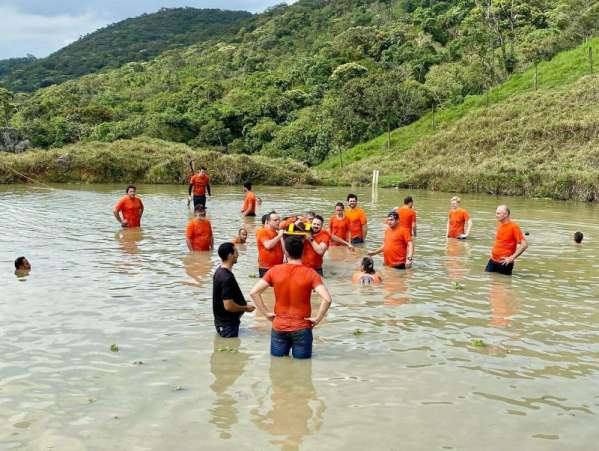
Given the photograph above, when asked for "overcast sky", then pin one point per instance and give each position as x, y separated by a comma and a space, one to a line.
40, 27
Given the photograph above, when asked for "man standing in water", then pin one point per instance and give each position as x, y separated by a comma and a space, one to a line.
228, 303
199, 231
249, 203
397, 248
340, 227
200, 185
407, 216
22, 267
458, 221
357, 219
130, 207
293, 283
269, 241
316, 245
509, 243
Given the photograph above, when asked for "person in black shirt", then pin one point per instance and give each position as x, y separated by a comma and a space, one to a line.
228, 303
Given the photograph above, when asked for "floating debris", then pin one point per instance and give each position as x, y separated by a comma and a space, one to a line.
458, 286
357, 332
478, 343
227, 349
179, 388
114, 348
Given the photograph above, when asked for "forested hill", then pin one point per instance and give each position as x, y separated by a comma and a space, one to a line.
309, 79
137, 39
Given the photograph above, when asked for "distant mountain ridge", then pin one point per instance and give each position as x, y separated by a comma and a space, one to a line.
136, 39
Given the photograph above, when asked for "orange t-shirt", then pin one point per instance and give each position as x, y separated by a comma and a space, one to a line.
199, 183
339, 228
199, 231
267, 258
249, 202
361, 278
131, 210
407, 217
293, 285
357, 218
457, 220
395, 246
310, 257
506, 240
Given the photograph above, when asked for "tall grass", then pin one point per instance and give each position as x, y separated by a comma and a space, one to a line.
145, 160
563, 69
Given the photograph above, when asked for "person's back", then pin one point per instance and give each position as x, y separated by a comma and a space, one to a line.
364, 278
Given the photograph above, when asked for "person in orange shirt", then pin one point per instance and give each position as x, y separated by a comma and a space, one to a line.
367, 274
397, 248
200, 185
407, 215
509, 243
357, 219
316, 245
199, 231
459, 223
306, 218
292, 319
249, 203
340, 227
269, 241
242, 236
130, 207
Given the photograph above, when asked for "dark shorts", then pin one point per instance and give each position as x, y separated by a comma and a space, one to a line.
299, 342
402, 266
493, 266
319, 272
357, 241
262, 271
227, 330
251, 214
199, 200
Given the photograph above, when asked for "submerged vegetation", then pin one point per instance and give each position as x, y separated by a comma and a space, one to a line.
145, 160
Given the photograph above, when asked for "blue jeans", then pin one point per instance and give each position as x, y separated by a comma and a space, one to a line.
299, 342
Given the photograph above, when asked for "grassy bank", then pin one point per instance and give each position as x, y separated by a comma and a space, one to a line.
542, 144
145, 160
565, 68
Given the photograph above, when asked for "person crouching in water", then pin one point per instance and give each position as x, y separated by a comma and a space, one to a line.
228, 303
292, 319
367, 274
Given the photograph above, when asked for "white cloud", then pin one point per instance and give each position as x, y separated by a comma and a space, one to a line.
24, 33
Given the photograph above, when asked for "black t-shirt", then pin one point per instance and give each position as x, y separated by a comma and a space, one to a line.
225, 287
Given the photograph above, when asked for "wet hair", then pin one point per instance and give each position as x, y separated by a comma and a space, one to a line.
248, 186
368, 265
578, 236
129, 187
226, 249
270, 214
199, 207
393, 214
456, 199
20, 261
294, 245
319, 217
265, 218
339, 204
241, 230
351, 196
311, 213
407, 200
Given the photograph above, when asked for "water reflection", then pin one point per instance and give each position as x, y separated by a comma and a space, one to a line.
455, 263
295, 411
198, 266
395, 285
227, 363
128, 239
502, 300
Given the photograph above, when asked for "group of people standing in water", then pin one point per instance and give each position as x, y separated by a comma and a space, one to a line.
291, 252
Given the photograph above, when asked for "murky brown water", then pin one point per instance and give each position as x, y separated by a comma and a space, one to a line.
395, 366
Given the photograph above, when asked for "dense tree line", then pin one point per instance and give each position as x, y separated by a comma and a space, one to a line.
312, 78
137, 39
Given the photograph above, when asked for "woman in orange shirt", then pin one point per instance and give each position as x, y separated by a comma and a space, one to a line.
199, 231
458, 221
340, 227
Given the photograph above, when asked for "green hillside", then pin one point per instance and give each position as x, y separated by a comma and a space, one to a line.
306, 80
562, 70
542, 143
138, 39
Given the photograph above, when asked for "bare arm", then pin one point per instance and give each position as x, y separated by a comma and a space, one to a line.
319, 248
468, 227
364, 230
270, 244
256, 296
376, 251
118, 217
522, 246
325, 296
232, 306
189, 246
409, 253
208, 189
336, 239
